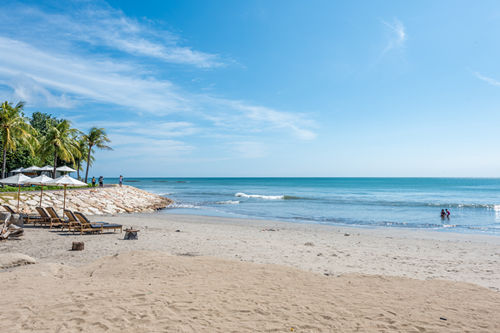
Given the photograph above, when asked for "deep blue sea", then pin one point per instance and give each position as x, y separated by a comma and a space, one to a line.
385, 202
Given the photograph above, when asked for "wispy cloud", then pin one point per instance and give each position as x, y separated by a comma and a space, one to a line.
58, 72
486, 79
398, 34
108, 27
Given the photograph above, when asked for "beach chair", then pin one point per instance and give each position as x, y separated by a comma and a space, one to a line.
82, 227
105, 225
26, 217
55, 220
45, 218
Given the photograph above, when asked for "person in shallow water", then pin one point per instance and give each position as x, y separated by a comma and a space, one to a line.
443, 214
448, 214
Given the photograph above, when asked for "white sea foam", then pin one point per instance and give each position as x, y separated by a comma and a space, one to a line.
259, 196
179, 205
228, 202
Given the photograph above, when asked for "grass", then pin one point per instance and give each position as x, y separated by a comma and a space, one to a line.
8, 188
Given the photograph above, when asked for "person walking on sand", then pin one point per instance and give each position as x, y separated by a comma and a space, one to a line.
101, 181
93, 181
120, 181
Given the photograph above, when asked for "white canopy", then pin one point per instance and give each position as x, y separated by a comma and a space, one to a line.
21, 169
65, 169
47, 168
67, 180
32, 168
40, 180
18, 179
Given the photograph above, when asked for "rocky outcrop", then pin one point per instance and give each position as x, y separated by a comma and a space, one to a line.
91, 201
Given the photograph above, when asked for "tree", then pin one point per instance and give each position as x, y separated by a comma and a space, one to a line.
95, 138
15, 131
60, 142
83, 148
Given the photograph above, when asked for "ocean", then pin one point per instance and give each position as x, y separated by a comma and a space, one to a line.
474, 203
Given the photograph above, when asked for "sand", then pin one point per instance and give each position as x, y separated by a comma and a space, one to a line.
232, 275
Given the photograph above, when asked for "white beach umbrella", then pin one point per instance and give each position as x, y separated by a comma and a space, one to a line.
47, 168
21, 169
18, 180
65, 181
32, 168
65, 169
40, 180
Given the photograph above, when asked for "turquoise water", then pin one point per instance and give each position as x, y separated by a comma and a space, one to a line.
388, 202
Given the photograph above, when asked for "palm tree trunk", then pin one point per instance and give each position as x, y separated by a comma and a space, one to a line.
88, 162
78, 170
4, 163
55, 163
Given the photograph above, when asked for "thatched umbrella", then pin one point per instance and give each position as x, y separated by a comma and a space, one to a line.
40, 180
65, 181
18, 180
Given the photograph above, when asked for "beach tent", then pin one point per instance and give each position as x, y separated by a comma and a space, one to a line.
33, 168
65, 169
21, 169
40, 180
65, 181
18, 180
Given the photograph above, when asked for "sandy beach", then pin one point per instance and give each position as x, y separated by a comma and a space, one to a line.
186, 273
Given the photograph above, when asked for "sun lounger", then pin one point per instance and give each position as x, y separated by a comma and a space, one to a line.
105, 225
55, 220
27, 218
44, 217
82, 227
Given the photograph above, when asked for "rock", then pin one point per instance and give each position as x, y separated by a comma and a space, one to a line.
309, 244
9, 260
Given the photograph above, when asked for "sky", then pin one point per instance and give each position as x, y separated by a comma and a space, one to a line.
265, 88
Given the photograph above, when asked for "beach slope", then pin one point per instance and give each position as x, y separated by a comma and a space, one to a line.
157, 292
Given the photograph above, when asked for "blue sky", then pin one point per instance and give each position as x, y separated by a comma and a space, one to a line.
265, 88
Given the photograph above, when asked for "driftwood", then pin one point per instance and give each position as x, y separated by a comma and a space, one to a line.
78, 246
8, 229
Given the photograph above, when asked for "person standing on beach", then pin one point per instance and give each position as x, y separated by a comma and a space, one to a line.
93, 181
101, 181
120, 181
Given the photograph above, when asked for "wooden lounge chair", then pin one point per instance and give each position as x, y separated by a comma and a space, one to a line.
27, 218
82, 227
105, 225
45, 217
55, 220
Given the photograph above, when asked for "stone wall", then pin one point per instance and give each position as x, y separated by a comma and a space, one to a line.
91, 201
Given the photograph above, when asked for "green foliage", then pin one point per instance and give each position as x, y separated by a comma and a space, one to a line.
44, 139
96, 137
15, 131
8, 188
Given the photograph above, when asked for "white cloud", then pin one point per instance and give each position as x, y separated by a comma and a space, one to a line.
398, 37
45, 64
486, 79
105, 26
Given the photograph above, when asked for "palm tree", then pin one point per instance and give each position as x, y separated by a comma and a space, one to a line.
60, 141
96, 137
83, 148
15, 130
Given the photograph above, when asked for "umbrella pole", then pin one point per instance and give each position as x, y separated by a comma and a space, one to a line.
64, 202
18, 197
41, 196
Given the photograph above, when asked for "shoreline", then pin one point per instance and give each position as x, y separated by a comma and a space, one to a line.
444, 230
320, 249
189, 273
